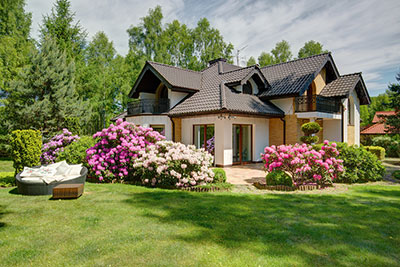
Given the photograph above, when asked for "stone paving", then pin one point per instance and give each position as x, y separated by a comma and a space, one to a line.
245, 174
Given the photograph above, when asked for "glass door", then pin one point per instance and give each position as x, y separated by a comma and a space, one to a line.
241, 143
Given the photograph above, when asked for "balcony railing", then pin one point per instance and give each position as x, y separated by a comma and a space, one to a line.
317, 103
151, 106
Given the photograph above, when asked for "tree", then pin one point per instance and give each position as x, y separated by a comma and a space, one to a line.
45, 95
265, 59
251, 61
15, 43
60, 25
282, 52
393, 121
378, 103
311, 48
104, 81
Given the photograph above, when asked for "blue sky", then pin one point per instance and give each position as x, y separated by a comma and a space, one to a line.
362, 35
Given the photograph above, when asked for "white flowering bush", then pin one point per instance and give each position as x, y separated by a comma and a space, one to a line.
174, 165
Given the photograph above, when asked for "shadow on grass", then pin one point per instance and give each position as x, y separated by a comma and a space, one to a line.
2, 213
14, 191
327, 229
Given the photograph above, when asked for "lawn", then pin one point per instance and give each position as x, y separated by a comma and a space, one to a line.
6, 165
117, 224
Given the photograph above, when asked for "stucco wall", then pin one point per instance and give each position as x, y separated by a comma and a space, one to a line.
147, 120
175, 97
285, 104
223, 135
332, 130
143, 95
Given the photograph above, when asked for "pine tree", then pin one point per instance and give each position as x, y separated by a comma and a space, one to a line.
45, 95
393, 121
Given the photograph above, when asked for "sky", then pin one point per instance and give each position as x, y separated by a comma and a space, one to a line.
363, 36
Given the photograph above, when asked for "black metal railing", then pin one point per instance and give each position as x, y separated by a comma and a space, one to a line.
317, 103
152, 106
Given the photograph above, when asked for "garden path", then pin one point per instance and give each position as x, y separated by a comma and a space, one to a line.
245, 174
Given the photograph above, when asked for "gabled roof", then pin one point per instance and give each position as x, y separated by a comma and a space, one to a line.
379, 115
293, 77
342, 86
378, 128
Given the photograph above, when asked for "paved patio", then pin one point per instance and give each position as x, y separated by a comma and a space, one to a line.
245, 174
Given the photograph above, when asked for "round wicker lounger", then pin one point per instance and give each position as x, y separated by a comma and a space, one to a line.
41, 188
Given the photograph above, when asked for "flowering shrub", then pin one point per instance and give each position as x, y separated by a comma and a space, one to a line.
112, 157
56, 144
169, 164
210, 145
304, 164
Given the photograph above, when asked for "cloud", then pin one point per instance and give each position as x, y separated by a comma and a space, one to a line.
362, 35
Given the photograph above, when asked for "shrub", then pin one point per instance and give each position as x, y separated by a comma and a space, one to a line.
75, 153
309, 129
219, 175
391, 145
56, 145
25, 148
4, 146
170, 165
304, 164
113, 156
377, 151
278, 178
396, 175
359, 164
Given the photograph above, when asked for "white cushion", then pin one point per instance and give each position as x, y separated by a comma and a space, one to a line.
27, 172
63, 168
55, 165
75, 169
32, 179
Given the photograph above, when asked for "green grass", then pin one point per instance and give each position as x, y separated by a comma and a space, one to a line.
126, 225
6, 165
7, 179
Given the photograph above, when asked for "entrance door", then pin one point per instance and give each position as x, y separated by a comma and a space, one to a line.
241, 143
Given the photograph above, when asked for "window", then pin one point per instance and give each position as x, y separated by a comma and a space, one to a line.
159, 128
203, 137
247, 88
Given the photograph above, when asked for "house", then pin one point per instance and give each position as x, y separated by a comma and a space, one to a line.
235, 112
378, 126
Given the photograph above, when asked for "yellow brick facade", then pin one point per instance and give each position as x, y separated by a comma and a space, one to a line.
275, 132
350, 134
178, 129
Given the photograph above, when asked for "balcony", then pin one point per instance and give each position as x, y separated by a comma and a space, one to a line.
149, 106
317, 103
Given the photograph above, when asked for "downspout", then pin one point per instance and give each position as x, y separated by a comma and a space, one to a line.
173, 128
342, 122
284, 130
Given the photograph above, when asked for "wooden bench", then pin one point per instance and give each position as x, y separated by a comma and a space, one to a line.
67, 191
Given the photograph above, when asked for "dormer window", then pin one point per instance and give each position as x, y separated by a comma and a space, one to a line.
247, 88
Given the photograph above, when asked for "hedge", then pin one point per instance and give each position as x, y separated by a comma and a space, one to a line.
219, 175
376, 150
26, 148
278, 178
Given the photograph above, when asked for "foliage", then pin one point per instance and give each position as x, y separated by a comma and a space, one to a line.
391, 146
278, 178
119, 145
378, 151
311, 48
309, 129
251, 62
378, 103
57, 144
360, 165
7, 179
4, 146
396, 175
281, 52
303, 163
15, 43
219, 175
169, 165
25, 148
60, 25
175, 43
45, 96
393, 121
75, 152
265, 59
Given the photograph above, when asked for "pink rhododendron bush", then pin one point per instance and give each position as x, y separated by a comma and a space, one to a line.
56, 144
170, 165
117, 149
304, 164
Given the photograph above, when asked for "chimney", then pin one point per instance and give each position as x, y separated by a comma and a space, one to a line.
220, 62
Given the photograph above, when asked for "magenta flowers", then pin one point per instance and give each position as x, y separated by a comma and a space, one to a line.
304, 164
118, 147
56, 144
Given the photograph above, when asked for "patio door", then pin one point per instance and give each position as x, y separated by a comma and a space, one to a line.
241, 143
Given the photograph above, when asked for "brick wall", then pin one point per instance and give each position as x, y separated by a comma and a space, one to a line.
178, 129
275, 132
